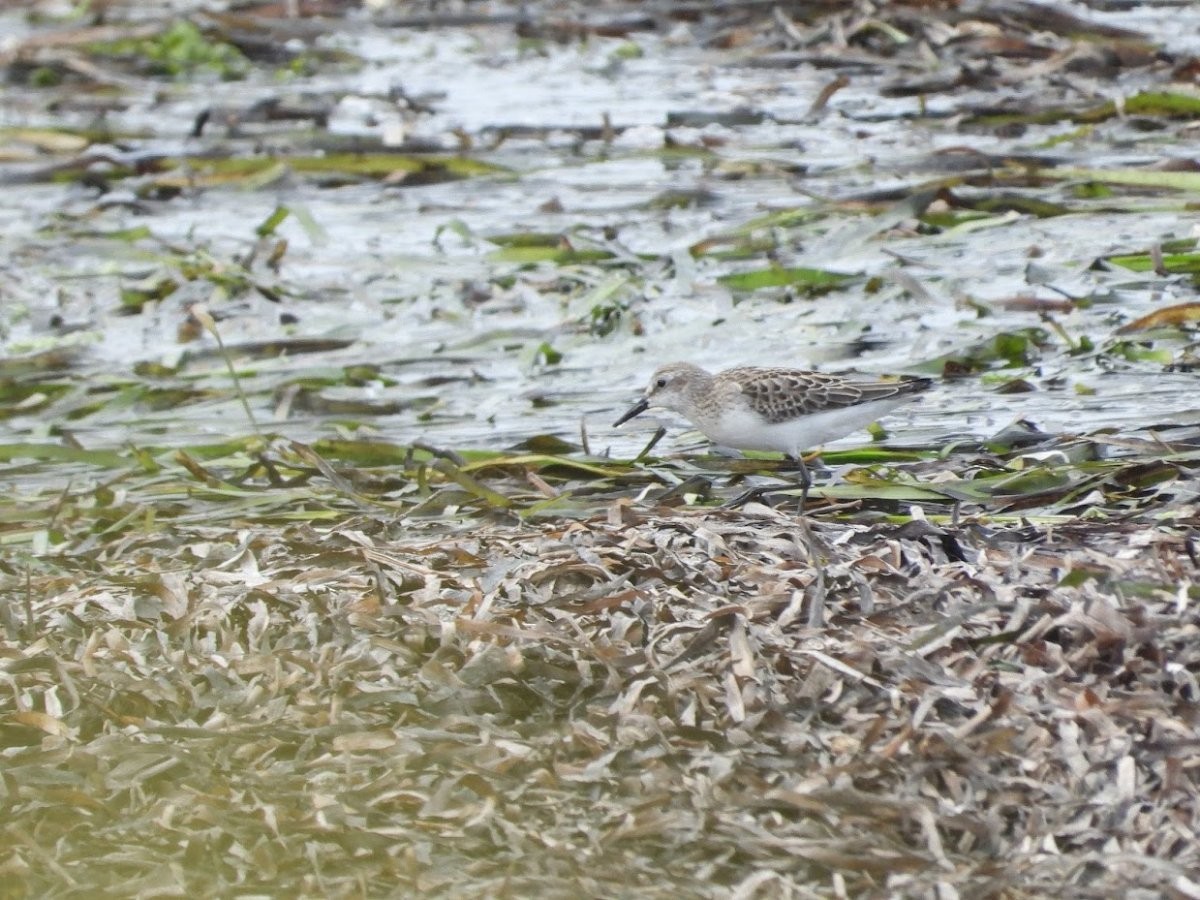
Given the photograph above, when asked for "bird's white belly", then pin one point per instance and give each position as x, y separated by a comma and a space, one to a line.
745, 430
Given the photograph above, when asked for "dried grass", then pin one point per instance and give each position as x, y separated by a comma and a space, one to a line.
651, 701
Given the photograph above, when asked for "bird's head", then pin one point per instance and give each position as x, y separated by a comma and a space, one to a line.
670, 387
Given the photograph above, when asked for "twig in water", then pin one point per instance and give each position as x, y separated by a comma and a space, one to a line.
201, 314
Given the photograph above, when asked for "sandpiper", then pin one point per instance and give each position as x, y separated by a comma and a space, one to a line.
785, 410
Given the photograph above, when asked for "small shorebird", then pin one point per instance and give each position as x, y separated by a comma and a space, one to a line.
786, 410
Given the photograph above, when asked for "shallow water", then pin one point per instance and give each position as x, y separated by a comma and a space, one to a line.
457, 333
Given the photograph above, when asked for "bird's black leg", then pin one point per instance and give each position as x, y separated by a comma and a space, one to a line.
805, 479
761, 491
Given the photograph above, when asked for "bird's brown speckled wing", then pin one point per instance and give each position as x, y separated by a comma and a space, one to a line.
782, 394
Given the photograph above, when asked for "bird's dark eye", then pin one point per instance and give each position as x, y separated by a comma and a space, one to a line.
660, 383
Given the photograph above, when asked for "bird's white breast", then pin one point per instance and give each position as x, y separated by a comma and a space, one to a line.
740, 427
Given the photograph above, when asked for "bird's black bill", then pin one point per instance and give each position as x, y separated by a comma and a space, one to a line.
636, 410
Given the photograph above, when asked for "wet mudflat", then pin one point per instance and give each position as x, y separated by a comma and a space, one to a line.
325, 574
